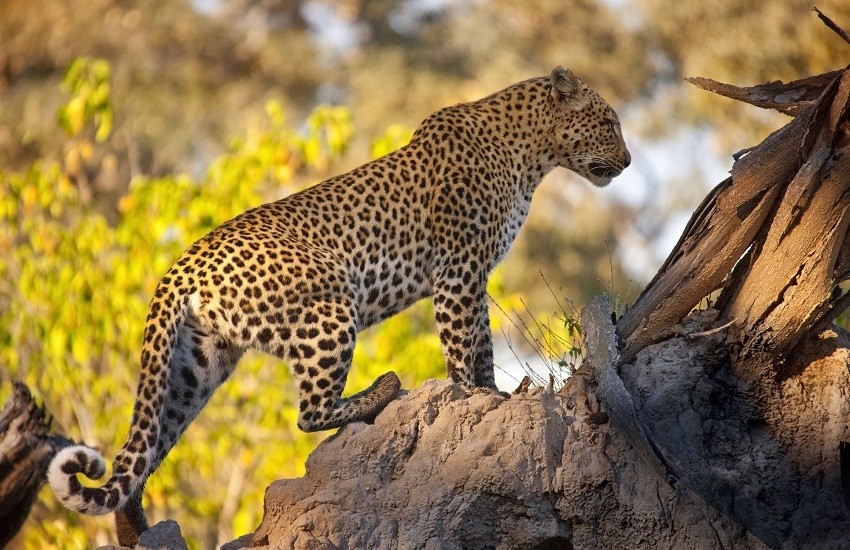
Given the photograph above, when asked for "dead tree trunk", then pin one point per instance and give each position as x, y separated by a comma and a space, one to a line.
801, 168
785, 290
774, 239
26, 447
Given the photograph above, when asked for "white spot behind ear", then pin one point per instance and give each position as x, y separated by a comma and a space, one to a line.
567, 89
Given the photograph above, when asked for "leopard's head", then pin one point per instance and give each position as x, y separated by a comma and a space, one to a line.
585, 134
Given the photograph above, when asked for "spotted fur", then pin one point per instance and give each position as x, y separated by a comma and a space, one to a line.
300, 277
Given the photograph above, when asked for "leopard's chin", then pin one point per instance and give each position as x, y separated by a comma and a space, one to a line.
599, 181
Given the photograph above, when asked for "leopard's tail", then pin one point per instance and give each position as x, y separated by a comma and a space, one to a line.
134, 463
62, 477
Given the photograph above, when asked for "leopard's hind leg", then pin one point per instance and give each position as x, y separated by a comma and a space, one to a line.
319, 354
200, 362
130, 521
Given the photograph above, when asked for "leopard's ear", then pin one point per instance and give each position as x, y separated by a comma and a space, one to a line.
566, 88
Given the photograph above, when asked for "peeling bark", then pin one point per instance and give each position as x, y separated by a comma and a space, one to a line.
788, 283
718, 233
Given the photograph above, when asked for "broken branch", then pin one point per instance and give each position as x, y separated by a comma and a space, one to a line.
831, 24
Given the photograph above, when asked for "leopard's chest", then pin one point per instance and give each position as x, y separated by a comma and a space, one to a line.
511, 224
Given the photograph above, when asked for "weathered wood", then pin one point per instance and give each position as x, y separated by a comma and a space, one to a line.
739, 212
718, 233
26, 447
788, 283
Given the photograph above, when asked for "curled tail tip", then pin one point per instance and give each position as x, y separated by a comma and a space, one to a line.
62, 475
77, 459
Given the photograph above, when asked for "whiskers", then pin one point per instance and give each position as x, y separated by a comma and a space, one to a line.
589, 158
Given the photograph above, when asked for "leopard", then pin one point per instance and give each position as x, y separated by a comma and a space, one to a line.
300, 277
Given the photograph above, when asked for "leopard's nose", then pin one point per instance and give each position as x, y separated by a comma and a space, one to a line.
628, 160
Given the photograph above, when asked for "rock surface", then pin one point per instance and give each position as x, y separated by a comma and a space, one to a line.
773, 466
440, 469
165, 535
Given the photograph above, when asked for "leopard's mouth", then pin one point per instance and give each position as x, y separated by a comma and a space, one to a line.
602, 170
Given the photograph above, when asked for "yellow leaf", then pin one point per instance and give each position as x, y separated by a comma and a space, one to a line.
126, 204
58, 341
75, 114
80, 349
29, 196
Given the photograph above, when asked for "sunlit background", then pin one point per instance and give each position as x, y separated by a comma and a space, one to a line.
179, 114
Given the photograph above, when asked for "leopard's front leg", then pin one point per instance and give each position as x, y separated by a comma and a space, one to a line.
463, 323
483, 363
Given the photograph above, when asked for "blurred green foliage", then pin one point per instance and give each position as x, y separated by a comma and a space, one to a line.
74, 290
